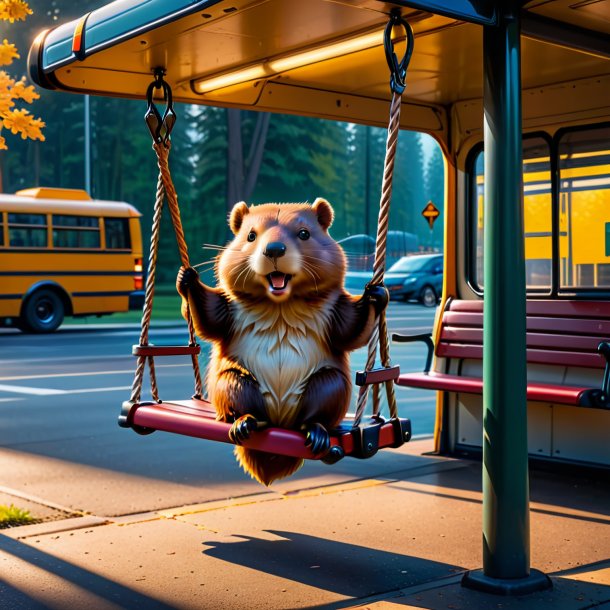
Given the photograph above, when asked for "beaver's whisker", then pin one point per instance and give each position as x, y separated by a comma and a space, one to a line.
313, 278
245, 269
311, 269
215, 246
326, 262
209, 263
245, 277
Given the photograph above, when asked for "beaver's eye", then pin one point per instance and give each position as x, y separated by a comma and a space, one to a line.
251, 236
303, 234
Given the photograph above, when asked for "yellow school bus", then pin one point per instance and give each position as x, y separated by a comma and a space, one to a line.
63, 253
583, 218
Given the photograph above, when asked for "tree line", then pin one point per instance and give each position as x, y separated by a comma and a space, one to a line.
219, 157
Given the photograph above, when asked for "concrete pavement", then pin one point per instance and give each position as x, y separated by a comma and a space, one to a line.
399, 540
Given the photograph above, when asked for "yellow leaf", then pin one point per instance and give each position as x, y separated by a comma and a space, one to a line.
6, 103
21, 91
8, 52
5, 81
14, 10
22, 122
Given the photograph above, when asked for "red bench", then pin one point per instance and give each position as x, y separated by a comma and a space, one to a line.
561, 333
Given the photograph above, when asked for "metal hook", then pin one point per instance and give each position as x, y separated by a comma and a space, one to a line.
160, 127
398, 69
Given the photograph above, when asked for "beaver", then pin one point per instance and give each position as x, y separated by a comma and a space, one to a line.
281, 326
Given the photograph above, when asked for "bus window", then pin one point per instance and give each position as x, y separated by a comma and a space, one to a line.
117, 233
27, 230
537, 207
584, 208
76, 231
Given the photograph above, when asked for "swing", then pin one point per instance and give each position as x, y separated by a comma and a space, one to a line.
196, 417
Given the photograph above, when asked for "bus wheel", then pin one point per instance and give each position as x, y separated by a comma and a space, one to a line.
427, 296
43, 312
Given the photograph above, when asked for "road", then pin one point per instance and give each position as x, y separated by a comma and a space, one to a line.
60, 396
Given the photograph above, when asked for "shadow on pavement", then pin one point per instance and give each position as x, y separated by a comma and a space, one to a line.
111, 591
346, 569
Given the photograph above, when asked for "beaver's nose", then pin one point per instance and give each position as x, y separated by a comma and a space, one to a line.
275, 249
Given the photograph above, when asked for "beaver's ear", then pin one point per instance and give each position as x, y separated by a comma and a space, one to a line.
324, 212
237, 216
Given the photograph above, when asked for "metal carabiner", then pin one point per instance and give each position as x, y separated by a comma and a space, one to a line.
398, 69
160, 127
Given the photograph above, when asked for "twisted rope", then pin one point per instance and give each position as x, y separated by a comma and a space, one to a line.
165, 189
136, 388
379, 337
162, 151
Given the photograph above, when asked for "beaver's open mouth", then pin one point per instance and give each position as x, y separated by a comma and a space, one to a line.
278, 281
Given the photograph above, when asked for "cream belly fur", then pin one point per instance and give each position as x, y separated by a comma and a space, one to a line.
282, 347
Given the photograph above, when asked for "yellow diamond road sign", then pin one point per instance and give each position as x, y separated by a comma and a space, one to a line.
430, 213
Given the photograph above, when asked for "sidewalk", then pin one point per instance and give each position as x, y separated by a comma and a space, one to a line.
396, 542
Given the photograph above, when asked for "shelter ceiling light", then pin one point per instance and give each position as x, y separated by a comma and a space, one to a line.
288, 62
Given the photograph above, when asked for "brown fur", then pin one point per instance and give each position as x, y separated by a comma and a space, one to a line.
279, 353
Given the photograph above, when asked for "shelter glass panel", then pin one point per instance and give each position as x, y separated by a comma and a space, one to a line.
584, 209
537, 212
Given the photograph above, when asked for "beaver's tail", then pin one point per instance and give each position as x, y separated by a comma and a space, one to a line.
266, 467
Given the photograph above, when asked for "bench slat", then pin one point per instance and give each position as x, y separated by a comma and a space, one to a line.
551, 341
594, 327
537, 392
545, 307
537, 356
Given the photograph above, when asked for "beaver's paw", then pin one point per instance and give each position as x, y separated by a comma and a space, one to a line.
378, 296
317, 439
241, 428
187, 277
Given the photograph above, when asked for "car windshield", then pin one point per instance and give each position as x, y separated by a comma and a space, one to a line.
409, 264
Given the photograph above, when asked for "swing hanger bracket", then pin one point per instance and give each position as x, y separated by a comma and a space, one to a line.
398, 69
160, 125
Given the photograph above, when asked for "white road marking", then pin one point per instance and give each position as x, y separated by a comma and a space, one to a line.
89, 373
90, 390
50, 391
69, 358
18, 389
11, 399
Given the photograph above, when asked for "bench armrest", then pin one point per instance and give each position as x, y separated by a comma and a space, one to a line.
425, 338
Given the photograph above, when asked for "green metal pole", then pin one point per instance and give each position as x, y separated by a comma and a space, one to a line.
506, 538
506, 532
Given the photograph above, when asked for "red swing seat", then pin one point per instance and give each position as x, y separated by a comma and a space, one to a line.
197, 418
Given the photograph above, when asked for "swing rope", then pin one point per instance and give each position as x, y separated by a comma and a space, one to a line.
379, 337
162, 149
136, 389
160, 128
